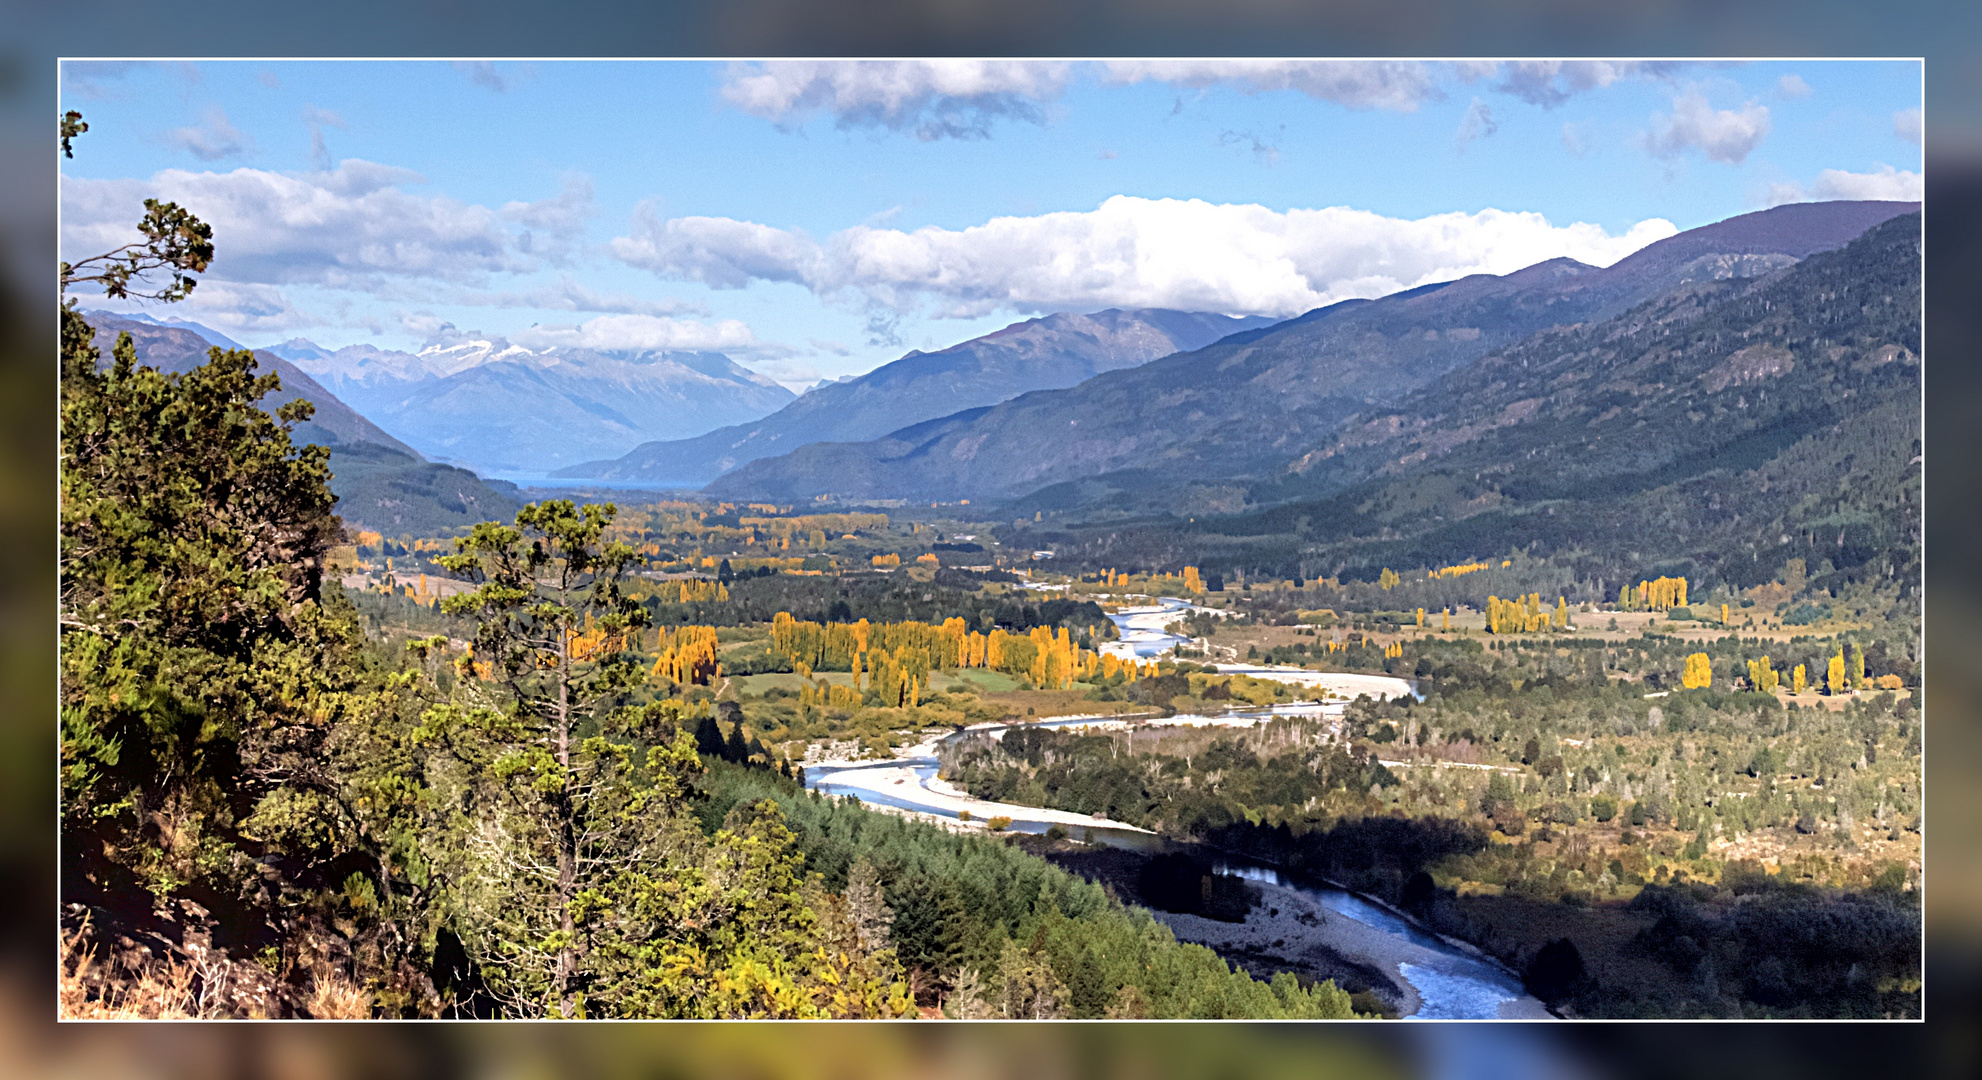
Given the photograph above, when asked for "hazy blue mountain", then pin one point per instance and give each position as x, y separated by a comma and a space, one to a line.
499, 407
380, 482
1186, 427
1039, 354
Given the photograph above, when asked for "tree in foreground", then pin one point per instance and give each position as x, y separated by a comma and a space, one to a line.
585, 885
204, 669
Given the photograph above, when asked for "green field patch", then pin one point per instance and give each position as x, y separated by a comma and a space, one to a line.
984, 679
758, 684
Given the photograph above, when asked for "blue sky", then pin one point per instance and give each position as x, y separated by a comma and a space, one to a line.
816, 220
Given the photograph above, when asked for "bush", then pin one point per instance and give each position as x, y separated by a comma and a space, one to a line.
1603, 807
998, 824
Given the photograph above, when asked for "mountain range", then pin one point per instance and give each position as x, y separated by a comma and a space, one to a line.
499, 407
1197, 432
1717, 430
1052, 352
380, 482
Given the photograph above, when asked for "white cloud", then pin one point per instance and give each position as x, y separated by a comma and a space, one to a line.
1723, 135
212, 141
1129, 252
1399, 85
1906, 125
722, 253
1793, 86
240, 311
1882, 183
933, 98
1549, 83
640, 333
350, 227
553, 226
1478, 123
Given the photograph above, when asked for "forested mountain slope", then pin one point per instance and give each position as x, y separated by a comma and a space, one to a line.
1728, 426
1243, 406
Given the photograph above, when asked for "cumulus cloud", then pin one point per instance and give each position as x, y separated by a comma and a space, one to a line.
1793, 86
933, 98
722, 253
213, 140
1398, 85
552, 227
639, 333
1128, 252
349, 227
1549, 83
1478, 123
1724, 135
1882, 183
1906, 125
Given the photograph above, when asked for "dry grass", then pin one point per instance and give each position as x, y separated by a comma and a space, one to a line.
147, 990
1046, 704
334, 997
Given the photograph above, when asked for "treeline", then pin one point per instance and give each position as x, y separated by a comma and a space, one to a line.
1047, 658
885, 599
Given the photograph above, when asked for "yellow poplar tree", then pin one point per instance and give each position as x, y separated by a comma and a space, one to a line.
1699, 672
1834, 677
1798, 680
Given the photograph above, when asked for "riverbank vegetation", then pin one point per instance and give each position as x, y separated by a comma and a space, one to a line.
1538, 795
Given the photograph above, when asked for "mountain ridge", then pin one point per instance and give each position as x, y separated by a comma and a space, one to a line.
380, 482
1237, 407
500, 407
1044, 353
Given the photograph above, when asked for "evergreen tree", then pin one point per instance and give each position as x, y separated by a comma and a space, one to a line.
708, 737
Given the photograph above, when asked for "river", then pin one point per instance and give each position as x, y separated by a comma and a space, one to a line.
1440, 979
